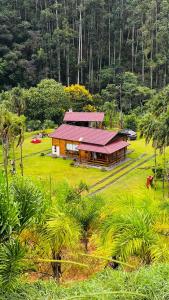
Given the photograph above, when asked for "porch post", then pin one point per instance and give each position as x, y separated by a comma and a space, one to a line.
107, 158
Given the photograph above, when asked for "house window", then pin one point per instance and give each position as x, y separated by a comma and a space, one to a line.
72, 147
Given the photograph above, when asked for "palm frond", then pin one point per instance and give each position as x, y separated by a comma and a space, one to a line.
11, 262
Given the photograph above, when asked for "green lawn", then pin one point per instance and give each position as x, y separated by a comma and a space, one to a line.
47, 168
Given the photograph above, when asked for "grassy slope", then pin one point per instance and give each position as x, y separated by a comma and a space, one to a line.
152, 283
132, 184
45, 167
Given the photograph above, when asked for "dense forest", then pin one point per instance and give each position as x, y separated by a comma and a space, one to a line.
89, 42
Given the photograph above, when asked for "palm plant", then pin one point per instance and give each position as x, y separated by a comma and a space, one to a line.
10, 248
5, 125
156, 129
149, 129
60, 232
9, 220
29, 199
138, 233
87, 213
12, 264
17, 212
11, 126
17, 101
17, 133
110, 110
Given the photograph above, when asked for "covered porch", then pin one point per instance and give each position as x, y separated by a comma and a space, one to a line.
103, 155
106, 159
96, 158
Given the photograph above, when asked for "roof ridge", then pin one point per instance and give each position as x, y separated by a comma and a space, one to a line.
113, 131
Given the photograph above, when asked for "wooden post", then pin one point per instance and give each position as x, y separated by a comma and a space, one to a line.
107, 158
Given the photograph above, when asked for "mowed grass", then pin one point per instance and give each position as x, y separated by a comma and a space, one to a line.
133, 184
55, 170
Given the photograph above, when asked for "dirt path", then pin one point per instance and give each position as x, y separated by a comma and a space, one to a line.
119, 177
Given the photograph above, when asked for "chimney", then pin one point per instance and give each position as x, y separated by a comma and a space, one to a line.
70, 110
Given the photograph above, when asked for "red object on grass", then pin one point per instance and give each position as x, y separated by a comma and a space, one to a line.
149, 181
36, 141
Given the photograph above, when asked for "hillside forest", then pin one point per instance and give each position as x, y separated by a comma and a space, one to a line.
87, 42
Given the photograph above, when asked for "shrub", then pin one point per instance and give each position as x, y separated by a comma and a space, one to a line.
34, 125
130, 122
159, 171
48, 124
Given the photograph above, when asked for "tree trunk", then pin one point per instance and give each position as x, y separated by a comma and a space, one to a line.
68, 65
5, 163
164, 172
21, 158
132, 54
56, 266
85, 241
155, 171
58, 45
109, 42
13, 165
79, 58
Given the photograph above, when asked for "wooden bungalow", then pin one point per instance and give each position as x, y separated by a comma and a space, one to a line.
88, 145
85, 119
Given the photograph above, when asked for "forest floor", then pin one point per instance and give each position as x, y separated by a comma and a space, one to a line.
124, 180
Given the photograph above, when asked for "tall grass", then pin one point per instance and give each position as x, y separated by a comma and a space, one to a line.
150, 283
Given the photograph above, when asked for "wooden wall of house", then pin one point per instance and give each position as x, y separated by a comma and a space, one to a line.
83, 155
62, 145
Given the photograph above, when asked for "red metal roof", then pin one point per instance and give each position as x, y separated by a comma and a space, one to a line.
83, 134
84, 117
108, 149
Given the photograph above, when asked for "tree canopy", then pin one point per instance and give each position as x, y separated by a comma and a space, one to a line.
89, 42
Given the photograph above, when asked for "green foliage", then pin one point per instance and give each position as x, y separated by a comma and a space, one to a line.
34, 125
47, 101
14, 100
11, 262
18, 208
158, 171
135, 234
48, 124
154, 124
79, 96
61, 231
9, 220
152, 282
29, 198
45, 42
110, 110
130, 122
106, 76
